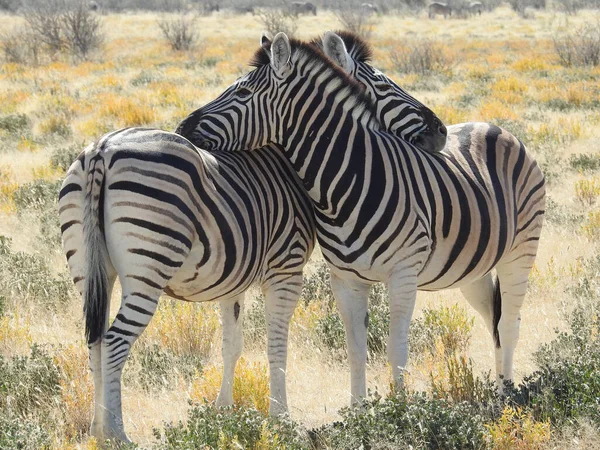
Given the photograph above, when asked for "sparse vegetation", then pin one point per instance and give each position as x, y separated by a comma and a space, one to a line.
275, 21
357, 21
422, 57
579, 48
53, 105
180, 31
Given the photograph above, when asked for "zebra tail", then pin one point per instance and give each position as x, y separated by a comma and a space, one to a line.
497, 310
96, 288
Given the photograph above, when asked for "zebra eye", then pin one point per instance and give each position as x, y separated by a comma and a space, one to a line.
383, 87
243, 92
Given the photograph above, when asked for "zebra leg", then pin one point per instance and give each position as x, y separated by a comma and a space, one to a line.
138, 305
95, 352
280, 302
403, 295
513, 286
352, 302
232, 311
480, 295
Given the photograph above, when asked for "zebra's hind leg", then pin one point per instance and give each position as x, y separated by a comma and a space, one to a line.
232, 311
352, 302
513, 278
481, 295
139, 302
281, 299
95, 358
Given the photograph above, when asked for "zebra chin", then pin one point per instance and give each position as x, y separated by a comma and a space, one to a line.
430, 142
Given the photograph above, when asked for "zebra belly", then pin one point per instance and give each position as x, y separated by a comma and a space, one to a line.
210, 281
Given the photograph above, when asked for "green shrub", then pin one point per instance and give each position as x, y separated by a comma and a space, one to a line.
560, 215
585, 162
317, 285
37, 195
330, 329
407, 420
567, 385
15, 123
159, 368
28, 383
18, 433
29, 276
62, 158
255, 321
229, 428
49, 235
450, 325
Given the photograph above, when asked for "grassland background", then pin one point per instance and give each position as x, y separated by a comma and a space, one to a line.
504, 70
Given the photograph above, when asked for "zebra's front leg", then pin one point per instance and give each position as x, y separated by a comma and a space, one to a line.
280, 302
352, 301
137, 308
403, 294
232, 320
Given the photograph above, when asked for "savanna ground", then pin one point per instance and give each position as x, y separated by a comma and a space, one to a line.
499, 68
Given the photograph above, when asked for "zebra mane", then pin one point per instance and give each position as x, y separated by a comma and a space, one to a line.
261, 58
357, 47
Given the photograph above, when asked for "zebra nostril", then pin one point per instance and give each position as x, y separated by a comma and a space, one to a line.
442, 130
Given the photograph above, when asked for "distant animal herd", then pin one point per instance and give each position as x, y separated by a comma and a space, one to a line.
296, 9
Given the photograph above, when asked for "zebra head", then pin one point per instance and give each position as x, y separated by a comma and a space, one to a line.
398, 111
255, 110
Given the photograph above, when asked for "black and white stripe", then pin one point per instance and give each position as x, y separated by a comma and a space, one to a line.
148, 207
385, 210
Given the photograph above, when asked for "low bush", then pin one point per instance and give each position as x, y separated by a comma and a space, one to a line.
330, 328
15, 123
62, 158
209, 427
422, 56
407, 420
275, 20
37, 195
56, 26
153, 367
316, 286
449, 326
566, 387
517, 429
579, 48
250, 385
357, 22
18, 433
29, 276
585, 162
180, 32
28, 384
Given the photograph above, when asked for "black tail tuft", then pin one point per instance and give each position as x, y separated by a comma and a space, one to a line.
96, 289
497, 310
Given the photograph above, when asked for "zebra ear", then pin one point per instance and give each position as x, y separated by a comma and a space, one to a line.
265, 42
334, 48
281, 52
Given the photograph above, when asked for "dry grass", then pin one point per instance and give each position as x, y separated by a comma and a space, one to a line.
139, 81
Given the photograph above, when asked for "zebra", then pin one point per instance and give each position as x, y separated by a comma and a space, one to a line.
386, 211
148, 207
475, 8
369, 9
441, 9
403, 114
298, 8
